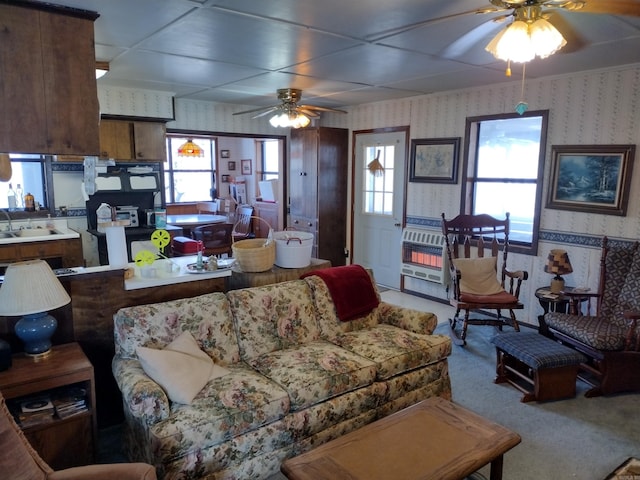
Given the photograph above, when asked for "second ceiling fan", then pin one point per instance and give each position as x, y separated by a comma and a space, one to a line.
288, 113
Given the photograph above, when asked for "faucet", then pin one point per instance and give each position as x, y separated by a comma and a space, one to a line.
6, 214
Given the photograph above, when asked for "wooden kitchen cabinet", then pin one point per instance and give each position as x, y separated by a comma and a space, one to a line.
318, 189
48, 91
132, 140
270, 213
62, 443
59, 253
116, 140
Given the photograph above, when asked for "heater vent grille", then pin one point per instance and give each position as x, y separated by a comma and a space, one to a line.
424, 256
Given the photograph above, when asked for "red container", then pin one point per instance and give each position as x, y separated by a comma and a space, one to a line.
184, 246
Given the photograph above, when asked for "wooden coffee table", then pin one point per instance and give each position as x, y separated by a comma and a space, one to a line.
431, 439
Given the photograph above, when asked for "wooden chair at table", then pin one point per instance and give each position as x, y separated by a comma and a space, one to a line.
216, 238
477, 284
243, 228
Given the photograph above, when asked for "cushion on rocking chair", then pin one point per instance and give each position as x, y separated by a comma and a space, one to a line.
478, 276
502, 298
597, 332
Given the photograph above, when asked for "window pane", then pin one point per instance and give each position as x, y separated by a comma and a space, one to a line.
271, 156
503, 172
509, 148
192, 178
26, 177
191, 186
190, 163
497, 198
378, 189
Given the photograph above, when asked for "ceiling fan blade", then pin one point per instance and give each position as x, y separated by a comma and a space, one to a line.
575, 41
613, 7
256, 109
307, 112
463, 44
322, 109
275, 108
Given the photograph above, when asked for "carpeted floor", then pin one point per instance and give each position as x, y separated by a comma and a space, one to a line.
581, 438
575, 439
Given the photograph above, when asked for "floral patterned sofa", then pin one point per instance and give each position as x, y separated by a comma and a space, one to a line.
297, 376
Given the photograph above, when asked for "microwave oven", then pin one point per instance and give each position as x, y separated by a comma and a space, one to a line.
128, 212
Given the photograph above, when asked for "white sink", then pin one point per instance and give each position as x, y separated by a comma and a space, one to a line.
36, 232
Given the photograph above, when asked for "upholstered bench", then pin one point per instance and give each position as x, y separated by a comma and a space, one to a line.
539, 367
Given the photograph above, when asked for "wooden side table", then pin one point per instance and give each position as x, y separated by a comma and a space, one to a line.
61, 443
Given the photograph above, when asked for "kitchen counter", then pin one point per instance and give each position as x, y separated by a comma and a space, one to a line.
170, 272
36, 231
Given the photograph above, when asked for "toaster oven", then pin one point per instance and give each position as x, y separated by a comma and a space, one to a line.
128, 212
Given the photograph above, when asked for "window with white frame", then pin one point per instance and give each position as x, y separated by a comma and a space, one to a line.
503, 172
377, 188
190, 179
270, 159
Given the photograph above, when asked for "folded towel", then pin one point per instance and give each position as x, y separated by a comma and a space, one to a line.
351, 289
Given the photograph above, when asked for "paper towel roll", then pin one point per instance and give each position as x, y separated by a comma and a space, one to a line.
116, 246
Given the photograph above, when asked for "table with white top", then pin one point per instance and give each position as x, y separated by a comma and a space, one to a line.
190, 220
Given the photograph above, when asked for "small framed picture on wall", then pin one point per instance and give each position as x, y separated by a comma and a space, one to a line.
224, 153
231, 165
225, 178
245, 167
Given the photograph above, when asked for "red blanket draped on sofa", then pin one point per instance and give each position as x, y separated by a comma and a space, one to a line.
351, 289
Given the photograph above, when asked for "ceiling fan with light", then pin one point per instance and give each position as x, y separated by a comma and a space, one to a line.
288, 113
535, 29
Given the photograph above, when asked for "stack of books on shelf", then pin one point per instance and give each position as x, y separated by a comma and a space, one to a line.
35, 410
44, 407
70, 401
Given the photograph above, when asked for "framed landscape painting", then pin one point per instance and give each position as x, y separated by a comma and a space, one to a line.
591, 178
434, 160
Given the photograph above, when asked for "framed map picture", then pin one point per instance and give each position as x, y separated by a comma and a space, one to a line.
434, 160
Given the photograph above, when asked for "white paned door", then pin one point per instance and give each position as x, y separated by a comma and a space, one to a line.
378, 205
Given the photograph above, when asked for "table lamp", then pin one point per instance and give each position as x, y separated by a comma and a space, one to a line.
31, 289
558, 263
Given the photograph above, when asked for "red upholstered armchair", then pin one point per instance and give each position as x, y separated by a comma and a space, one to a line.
19, 461
610, 338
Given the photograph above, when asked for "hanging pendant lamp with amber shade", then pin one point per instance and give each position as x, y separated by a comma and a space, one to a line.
190, 149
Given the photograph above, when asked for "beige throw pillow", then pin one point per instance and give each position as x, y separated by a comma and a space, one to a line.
181, 368
478, 275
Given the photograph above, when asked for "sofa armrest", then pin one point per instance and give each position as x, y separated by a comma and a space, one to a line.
407, 318
121, 471
143, 398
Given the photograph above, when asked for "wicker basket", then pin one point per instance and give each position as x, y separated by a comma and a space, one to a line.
255, 254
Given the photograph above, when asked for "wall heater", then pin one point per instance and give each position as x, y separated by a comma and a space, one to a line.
424, 255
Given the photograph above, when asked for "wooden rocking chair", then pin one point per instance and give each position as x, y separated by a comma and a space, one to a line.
476, 284
610, 338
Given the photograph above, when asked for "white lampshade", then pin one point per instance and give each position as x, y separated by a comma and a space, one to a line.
521, 41
545, 38
290, 119
31, 287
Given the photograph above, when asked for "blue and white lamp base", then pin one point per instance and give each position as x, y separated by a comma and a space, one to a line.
35, 330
